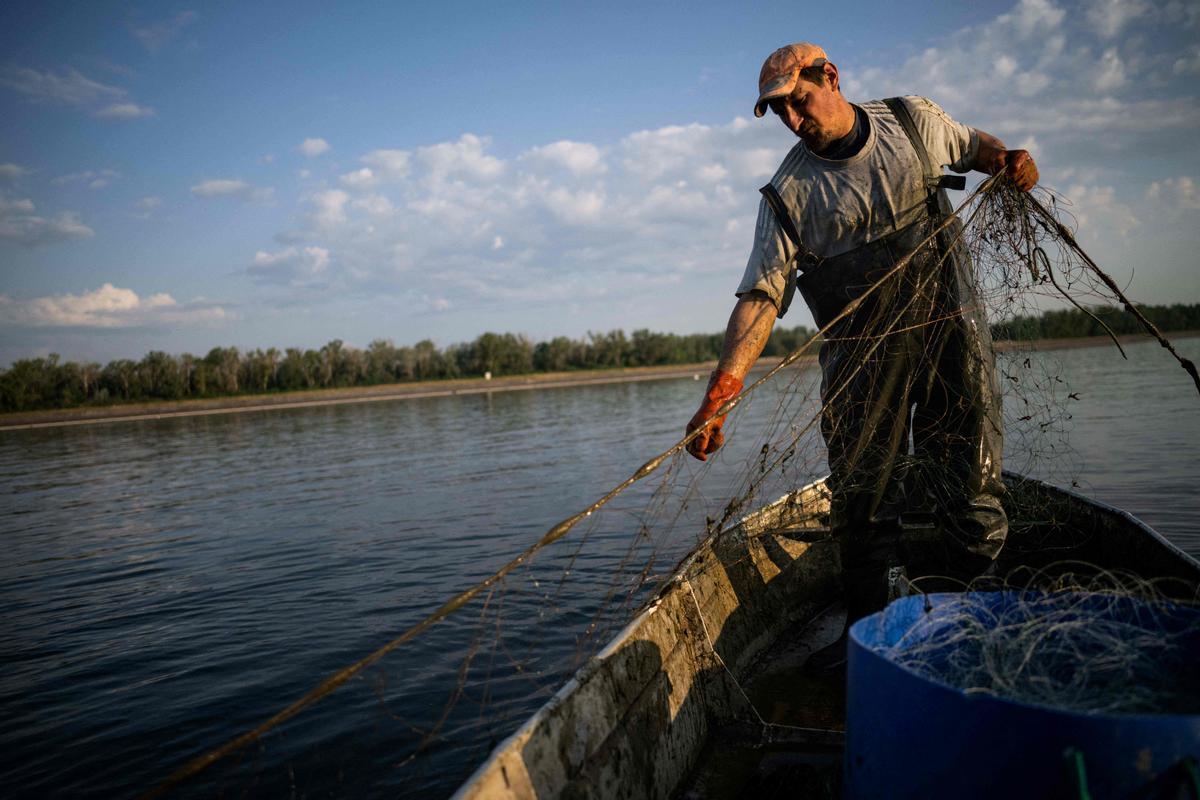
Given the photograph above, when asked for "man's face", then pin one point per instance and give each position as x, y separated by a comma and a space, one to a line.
813, 111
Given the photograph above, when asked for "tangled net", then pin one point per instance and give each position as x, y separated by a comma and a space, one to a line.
1096, 642
1021, 251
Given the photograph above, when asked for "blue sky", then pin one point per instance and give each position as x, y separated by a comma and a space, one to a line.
178, 177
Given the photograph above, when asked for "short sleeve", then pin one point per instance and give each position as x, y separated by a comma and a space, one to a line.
950, 143
770, 258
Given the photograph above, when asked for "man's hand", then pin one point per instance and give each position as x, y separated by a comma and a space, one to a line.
1019, 167
994, 158
722, 386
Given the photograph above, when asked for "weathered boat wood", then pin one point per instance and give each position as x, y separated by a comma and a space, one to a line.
706, 685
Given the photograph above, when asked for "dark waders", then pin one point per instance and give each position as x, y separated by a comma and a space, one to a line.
913, 360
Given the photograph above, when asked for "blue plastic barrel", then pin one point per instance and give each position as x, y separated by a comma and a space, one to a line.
910, 736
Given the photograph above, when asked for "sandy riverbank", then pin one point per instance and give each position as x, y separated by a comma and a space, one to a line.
409, 391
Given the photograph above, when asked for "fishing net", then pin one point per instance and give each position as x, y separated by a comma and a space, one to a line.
1091, 641
519, 632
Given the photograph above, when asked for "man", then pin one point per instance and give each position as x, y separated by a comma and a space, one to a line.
906, 350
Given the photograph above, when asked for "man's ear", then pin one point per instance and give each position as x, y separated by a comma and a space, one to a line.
831, 75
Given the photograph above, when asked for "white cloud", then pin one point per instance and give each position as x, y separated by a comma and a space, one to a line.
109, 65
1029, 143
232, 187
1033, 16
580, 158
125, 111
1110, 115
106, 307
292, 266
7, 206
575, 208
72, 88
390, 164
1039, 70
11, 172
558, 222
1110, 72
756, 162
1188, 64
1100, 212
93, 178
146, 206
157, 35
359, 178
313, 147
1109, 17
665, 150
374, 204
1173, 196
329, 208
69, 87
20, 224
712, 173
1182, 13
464, 158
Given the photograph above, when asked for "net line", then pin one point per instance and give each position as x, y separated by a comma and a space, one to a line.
1019, 249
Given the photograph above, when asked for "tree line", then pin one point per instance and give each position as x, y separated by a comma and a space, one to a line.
1072, 323
44, 383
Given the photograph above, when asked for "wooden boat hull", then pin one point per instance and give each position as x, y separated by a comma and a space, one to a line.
689, 670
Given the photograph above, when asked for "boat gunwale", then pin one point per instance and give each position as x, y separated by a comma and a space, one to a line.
1174, 549
627, 633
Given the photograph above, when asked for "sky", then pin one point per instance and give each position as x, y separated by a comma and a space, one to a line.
183, 176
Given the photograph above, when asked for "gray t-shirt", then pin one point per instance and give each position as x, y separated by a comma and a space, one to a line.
841, 205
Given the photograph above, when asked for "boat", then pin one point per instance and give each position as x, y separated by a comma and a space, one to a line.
704, 693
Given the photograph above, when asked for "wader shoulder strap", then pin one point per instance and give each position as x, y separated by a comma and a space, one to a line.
934, 179
902, 115
805, 259
771, 195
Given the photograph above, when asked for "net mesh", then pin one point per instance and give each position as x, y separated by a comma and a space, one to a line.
508, 660
1072, 638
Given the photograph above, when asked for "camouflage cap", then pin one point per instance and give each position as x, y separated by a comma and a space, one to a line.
781, 70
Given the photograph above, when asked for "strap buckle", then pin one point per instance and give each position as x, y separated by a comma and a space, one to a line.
808, 260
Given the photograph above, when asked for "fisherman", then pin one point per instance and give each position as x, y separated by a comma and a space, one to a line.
860, 191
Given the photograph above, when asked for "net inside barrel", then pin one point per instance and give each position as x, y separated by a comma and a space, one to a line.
1080, 651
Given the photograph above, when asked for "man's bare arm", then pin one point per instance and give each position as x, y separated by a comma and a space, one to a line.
746, 334
993, 158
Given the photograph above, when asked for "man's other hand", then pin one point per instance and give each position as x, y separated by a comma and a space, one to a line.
722, 387
1019, 167
993, 158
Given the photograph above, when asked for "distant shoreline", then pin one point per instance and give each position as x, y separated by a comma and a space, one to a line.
131, 412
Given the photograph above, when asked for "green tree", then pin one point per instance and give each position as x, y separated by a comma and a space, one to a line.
160, 376
224, 365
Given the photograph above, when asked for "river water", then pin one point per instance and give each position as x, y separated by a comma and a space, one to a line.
168, 584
